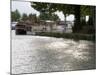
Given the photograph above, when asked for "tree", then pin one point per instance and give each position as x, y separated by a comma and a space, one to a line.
50, 8
46, 16
78, 10
32, 17
55, 17
44, 7
90, 11
51, 17
77, 25
82, 11
92, 16
66, 10
15, 15
24, 17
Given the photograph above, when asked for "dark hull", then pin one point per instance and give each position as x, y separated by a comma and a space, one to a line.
20, 32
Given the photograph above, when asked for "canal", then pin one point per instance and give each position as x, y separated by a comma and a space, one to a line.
32, 54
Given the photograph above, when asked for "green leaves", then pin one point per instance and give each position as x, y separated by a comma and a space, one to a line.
15, 15
41, 7
46, 10
46, 16
24, 17
85, 10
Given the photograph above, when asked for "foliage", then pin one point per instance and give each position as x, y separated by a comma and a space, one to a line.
49, 8
83, 11
66, 9
87, 10
15, 15
46, 16
77, 10
74, 36
43, 7
32, 17
24, 17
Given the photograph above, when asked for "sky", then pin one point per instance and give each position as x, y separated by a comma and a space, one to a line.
25, 7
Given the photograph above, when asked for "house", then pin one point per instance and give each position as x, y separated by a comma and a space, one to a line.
29, 27
51, 26
61, 25
43, 26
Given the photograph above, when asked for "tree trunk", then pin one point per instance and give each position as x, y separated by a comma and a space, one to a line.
77, 26
92, 22
65, 24
94, 16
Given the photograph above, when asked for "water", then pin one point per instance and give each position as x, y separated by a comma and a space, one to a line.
32, 54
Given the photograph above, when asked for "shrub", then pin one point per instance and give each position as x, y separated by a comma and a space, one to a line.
75, 36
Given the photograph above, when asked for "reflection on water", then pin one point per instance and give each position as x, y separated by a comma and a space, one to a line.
31, 54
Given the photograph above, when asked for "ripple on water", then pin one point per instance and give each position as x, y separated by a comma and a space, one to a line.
42, 54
